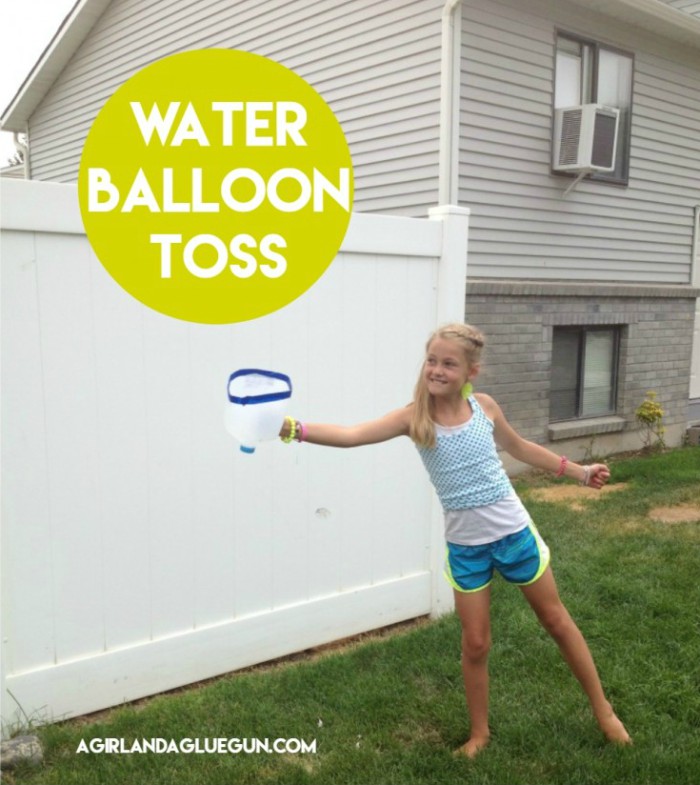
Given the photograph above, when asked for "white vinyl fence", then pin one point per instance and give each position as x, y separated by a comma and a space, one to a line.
140, 549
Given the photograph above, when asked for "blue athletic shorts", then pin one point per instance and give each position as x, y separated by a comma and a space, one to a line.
521, 558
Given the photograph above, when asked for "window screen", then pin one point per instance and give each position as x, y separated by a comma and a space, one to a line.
584, 372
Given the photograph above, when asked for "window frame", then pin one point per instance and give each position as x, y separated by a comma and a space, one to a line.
582, 331
596, 46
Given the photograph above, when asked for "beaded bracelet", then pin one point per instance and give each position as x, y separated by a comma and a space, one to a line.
586, 475
292, 430
563, 461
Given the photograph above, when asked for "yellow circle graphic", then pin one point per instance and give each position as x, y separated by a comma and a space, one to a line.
216, 186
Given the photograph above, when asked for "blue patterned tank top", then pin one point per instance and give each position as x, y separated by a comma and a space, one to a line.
465, 468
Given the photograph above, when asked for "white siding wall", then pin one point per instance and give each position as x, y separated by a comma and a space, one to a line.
376, 63
522, 226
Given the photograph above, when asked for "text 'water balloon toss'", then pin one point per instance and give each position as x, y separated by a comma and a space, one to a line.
257, 404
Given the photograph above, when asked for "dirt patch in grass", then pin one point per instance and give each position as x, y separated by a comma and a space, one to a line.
574, 496
679, 513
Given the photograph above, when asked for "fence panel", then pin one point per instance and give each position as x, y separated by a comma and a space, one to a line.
141, 550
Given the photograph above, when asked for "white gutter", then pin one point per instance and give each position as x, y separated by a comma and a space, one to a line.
695, 260
450, 72
694, 387
656, 16
24, 150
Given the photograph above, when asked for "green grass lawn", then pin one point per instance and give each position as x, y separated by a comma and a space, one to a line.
391, 710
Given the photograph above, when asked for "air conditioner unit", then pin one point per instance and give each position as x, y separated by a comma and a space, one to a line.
585, 138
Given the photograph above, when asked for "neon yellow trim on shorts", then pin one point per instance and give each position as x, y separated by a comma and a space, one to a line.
544, 559
450, 579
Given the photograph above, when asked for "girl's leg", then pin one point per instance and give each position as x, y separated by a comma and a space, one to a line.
473, 609
544, 599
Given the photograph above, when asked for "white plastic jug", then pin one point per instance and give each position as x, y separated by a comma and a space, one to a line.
257, 406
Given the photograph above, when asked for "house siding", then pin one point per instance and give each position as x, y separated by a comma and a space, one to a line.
376, 64
522, 225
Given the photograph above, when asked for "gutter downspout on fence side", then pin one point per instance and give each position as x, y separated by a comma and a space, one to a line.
450, 70
453, 262
694, 387
23, 148
695, 258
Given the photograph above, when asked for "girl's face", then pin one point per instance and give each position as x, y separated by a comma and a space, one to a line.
446, 369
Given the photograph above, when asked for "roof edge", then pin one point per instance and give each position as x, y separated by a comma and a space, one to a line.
70, 34
653, 15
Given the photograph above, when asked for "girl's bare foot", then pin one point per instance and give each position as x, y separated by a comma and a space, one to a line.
472, 747
612, 727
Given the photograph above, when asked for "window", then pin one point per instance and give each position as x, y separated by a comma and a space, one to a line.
584, 372
590, 73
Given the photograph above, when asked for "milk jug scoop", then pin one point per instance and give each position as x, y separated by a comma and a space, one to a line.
257, 402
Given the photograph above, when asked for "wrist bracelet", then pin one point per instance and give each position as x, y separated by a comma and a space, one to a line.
586, 475
302, 431
292, 430
563, 461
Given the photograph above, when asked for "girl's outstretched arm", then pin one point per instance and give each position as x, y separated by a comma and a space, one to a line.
389, 426
535, 455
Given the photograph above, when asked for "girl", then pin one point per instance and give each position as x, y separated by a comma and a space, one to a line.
486, 525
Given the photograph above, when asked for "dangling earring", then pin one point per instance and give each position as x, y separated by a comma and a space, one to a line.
467, 390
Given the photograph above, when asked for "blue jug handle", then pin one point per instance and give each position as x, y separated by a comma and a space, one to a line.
267, 397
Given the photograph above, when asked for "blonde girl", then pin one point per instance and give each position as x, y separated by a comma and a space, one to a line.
487, 528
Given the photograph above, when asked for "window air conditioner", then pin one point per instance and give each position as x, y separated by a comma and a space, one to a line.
585, 138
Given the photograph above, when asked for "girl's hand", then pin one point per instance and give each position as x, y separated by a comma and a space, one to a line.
599, 476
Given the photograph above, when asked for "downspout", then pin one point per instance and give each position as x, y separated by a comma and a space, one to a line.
695, 251
695, 283
24, 149
450, 70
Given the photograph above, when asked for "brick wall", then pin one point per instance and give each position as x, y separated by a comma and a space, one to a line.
518, 320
